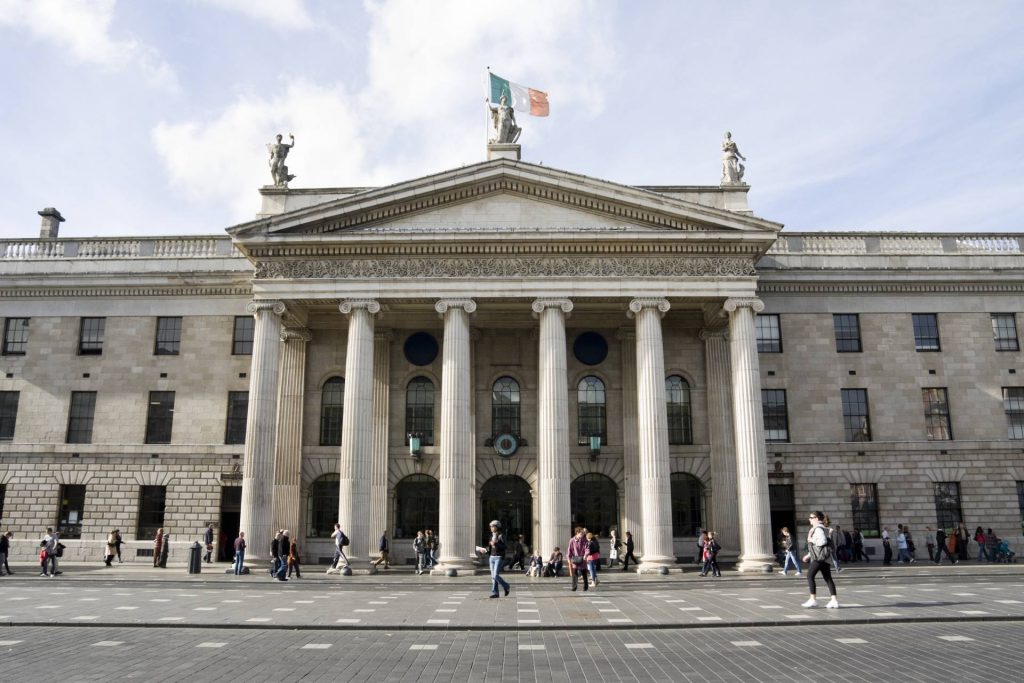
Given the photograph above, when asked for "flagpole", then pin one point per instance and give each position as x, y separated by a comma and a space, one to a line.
487, 107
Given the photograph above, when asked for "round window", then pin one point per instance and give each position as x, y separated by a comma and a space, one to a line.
590, 348
420, 349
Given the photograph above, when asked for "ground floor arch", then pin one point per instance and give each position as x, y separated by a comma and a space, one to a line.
417, 500
508, 499
594, 503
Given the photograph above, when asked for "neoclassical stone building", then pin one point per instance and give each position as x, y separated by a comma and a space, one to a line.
507, 340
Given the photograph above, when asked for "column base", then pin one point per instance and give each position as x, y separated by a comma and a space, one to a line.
756, 565
353, 568
658, 567
458, 568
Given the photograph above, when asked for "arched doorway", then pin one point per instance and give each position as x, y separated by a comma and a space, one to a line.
507, 498
594, 499
417, 500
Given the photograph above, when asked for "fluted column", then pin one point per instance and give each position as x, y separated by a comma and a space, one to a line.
632, 518
379, 470
455, 524
748, 431
553, 478
652, 433
288, 466
724, 515
357, 428
261, 429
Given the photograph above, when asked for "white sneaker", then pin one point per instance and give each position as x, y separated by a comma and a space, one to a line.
811, 603
782, 572
799, 574
833, 603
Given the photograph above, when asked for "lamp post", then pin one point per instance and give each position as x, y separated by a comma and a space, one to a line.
595, 446
414, 445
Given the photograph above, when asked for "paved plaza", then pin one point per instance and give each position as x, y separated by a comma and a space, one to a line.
139, 623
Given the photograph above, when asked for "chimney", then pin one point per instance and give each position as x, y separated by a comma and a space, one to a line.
51, 223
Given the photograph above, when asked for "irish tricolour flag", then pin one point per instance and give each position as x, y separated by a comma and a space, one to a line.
519, 97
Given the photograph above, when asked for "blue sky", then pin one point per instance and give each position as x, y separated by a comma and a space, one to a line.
150, 117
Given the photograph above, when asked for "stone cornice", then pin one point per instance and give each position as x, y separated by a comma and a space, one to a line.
119, 292
846, 287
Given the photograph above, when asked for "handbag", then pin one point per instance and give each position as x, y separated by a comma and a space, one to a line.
578, 559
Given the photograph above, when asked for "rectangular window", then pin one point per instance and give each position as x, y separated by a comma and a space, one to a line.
856, 421
8, 414
769, 333
864, 502
1004, 331
947, 505
80, 416
776, 420
926, 332
72, 506
847, 328
238, 410
160, 417
168, 337
245, 327
90, 336
936, 414
152, 502
1013, 401
15, 336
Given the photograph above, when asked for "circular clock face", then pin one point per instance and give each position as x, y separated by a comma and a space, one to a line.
506, 445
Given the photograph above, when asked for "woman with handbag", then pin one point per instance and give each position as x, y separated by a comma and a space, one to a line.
593, 557
578, 550
819, 554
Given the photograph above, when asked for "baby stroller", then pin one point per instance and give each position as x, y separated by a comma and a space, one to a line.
1004, 554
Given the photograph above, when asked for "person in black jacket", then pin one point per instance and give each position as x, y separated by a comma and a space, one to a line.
283, 548
941, 547
208, 541
275, 554
628, 540
5, 548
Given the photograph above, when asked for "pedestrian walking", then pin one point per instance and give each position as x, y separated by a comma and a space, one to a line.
284, 549
911, 548
886, 547
382, 548
275, 554
240, 553
616, 544
901, 544
294, 560
788, 545
833, 535
963, 537
419, 546
118, 542
496, 557
819, 547
432, 545
929, 542
701, 538
858, 546
5, 551
711, 548
158, 546
578, 549
340, 541
208, 541
54, 549
593, 557
110, 548
839, 541
942, 547
627, 540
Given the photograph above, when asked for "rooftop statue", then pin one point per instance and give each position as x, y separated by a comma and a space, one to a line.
278, 153
732, 169
504, 119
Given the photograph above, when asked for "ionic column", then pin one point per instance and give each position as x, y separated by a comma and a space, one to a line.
288, 467
455, 524
652, 433
748, 431
357, 428
261, 430
379, 469
554, 511
632, 520
724, 519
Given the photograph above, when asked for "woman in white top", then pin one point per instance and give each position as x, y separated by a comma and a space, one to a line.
820, 556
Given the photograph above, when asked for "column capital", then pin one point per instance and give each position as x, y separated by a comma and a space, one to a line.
273, 305
752, 302
539, 305
442, 305
295, 334
637, 305
372, 306
721, 333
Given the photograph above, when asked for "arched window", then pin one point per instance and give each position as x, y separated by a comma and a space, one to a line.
322, 506
332, 404
507, 498
594, 502
505, 407
419, 410
677, 395
416, 504
687, 504
592, 417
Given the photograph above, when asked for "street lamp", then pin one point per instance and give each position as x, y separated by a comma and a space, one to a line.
414, 445
595, 446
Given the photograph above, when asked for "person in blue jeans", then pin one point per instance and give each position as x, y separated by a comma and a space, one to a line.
240, 552
496, 553
788, 544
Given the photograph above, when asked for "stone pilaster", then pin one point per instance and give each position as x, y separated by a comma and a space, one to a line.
748, 431
288, 466
724, 518
632, 519
652, 433
357, 428
455, 525
553, 472
261, 430
379, 469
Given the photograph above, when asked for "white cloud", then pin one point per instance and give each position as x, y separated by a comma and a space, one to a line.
83, 29
290, 14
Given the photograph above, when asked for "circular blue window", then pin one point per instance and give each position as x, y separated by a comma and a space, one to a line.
590, 348
420, 349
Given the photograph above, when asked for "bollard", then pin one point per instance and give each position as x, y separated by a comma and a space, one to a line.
195, 560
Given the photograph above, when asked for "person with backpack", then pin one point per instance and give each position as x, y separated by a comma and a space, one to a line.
340, 541
788, 544
496, 557
820, 548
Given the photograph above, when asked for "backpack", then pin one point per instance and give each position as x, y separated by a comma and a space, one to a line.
59, 552
344, 540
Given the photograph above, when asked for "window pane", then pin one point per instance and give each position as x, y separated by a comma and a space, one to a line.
15, 336
680, 424
769, 333
417, 501
947, 505
847, 329
1004, 331
856, 423
687, 504
152, 503
8, 414
594, 502
926, 332
245, 326
238, 412
864, 502
505, 407
168, 336
90, 338
776, 420
72, 507
322, 506
419, 410
591, 410
936, 414
80, 416
1013, 400
332, 409
160, 417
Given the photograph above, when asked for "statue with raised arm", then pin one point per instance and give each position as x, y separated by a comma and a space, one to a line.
278, 153
732, 169
504, 119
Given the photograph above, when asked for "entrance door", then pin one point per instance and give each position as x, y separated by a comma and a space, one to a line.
507, 499
780, 498
230, 515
